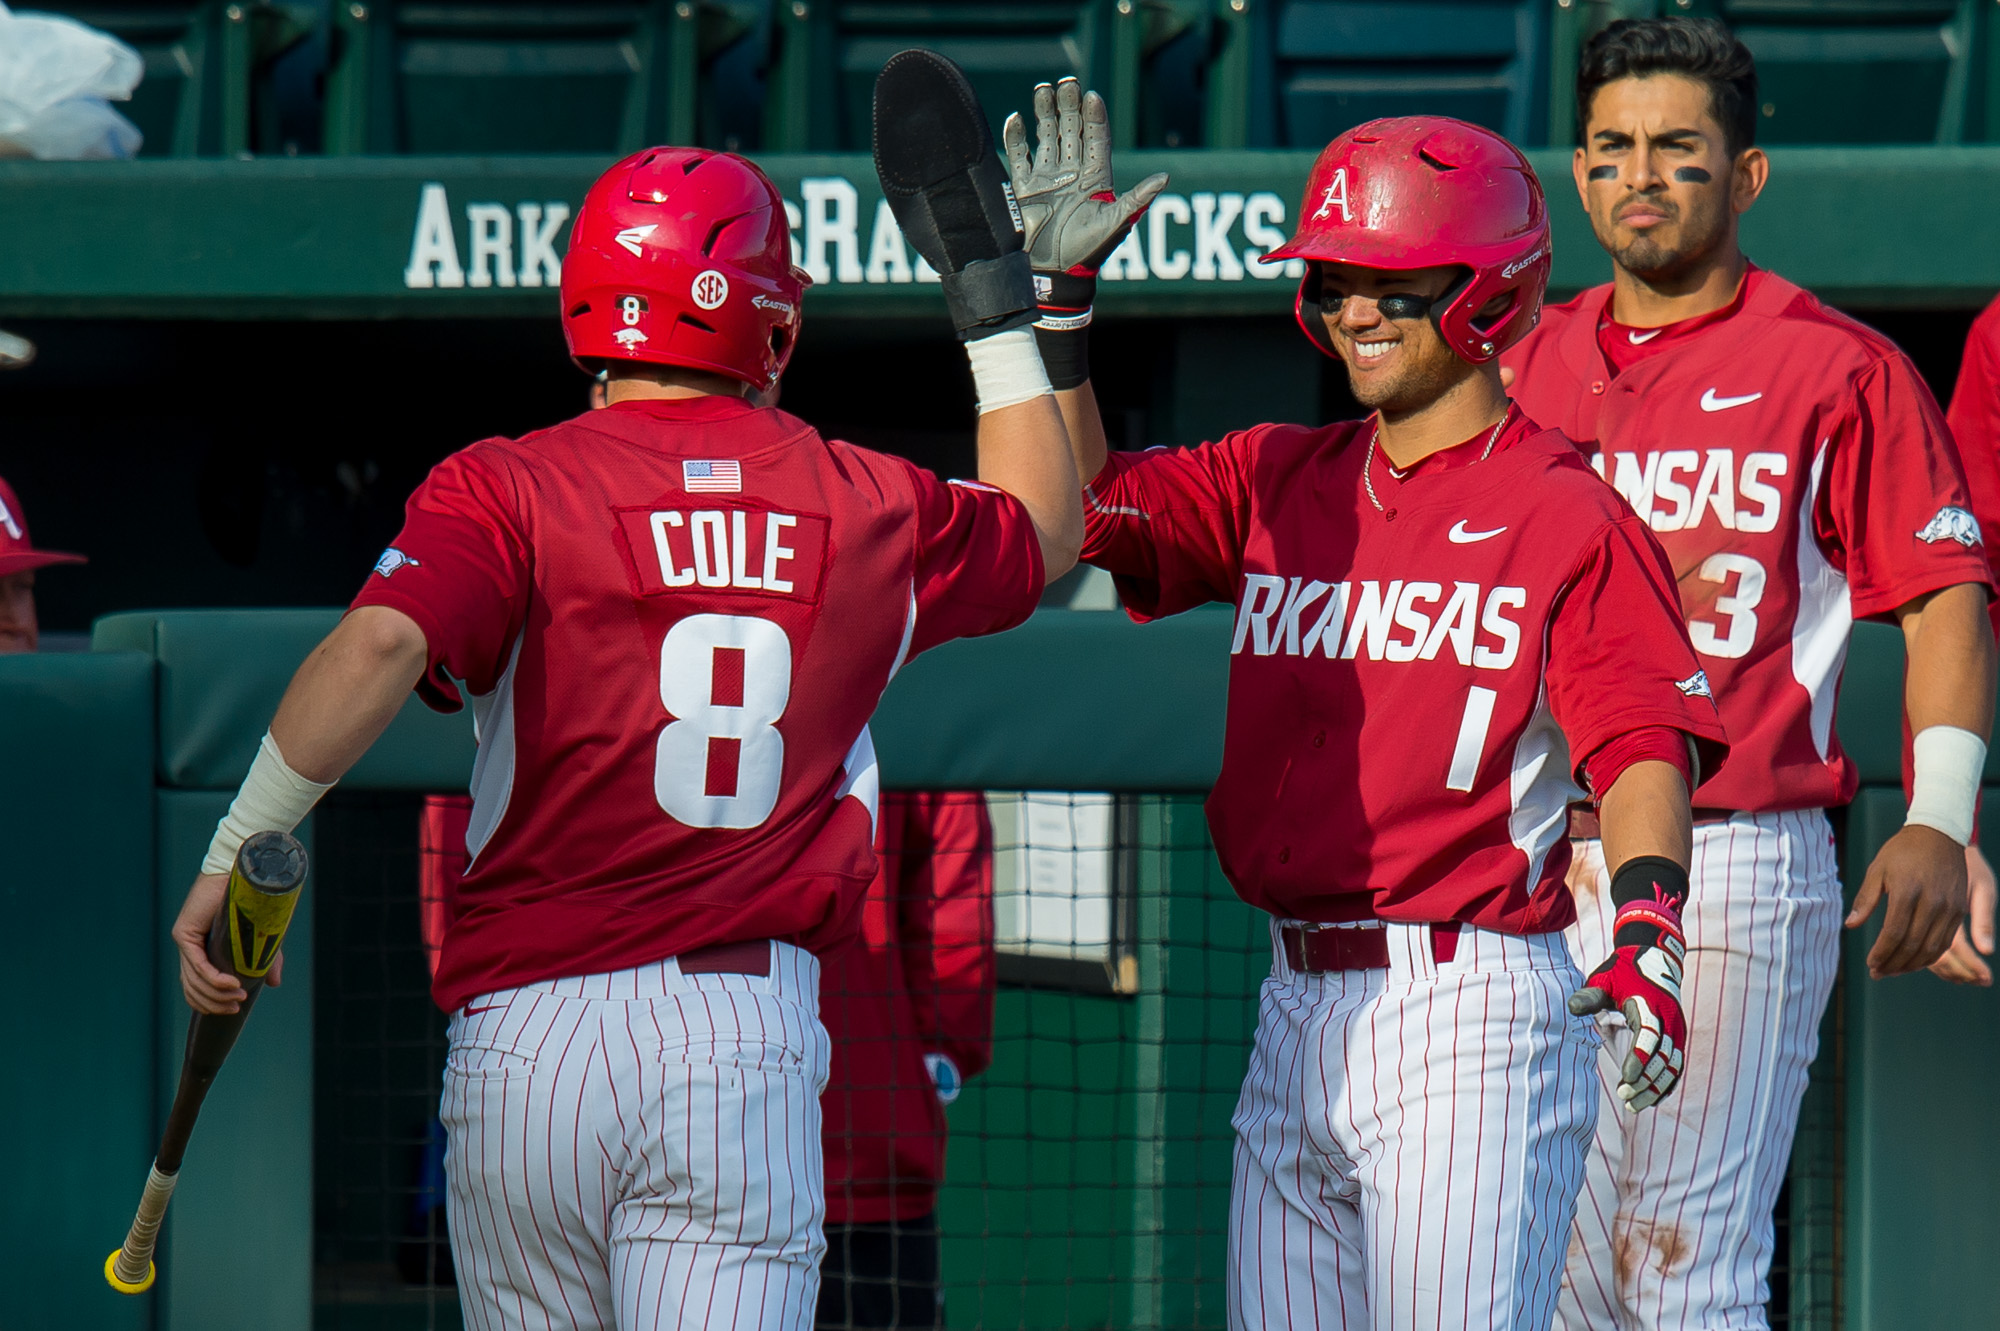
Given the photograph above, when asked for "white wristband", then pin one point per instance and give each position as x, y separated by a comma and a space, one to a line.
1944, 788
273, 798
1007, 369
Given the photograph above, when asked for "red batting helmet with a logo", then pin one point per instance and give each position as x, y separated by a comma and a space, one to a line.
1424, 192
682, 256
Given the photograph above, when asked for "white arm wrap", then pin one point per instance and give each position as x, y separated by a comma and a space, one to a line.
1945, 786
274, 798
1007, 369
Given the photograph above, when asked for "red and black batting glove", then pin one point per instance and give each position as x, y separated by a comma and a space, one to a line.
1642, 977
1071, 217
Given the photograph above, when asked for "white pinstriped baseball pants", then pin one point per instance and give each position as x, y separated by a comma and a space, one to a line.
1674, 1227
1410, 1142
639, 1150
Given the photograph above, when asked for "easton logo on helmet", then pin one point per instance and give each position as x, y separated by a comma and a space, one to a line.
776, 306
1519, 266
710, 289
632, 235
1951, 523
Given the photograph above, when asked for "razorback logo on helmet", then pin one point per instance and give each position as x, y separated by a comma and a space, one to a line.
1335, 196
631, 309
1951, 523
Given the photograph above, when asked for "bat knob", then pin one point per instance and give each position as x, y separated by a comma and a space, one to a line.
127, 1286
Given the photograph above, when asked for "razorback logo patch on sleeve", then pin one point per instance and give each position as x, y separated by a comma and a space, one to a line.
1951, 523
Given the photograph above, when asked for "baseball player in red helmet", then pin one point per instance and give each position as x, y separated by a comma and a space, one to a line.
674, 617
1446, 629
1799, 476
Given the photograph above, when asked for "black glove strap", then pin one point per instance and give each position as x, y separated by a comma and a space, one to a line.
1647, 879
991, 296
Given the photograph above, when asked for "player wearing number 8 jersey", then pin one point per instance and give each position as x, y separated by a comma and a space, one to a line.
674, 617
1443, 623
1799, 476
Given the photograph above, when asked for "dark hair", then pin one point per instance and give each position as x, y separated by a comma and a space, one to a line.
1697, 48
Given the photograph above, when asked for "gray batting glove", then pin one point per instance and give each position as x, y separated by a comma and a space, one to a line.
1072, 216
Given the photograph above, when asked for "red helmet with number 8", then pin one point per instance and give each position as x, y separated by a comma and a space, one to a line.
682, 256
1424, 192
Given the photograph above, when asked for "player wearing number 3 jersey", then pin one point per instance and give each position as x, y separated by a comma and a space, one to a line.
1444, 622
673, 617
1799, 476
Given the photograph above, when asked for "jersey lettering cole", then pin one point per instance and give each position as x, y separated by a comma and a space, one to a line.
675, 619
1412, 691
1799, 475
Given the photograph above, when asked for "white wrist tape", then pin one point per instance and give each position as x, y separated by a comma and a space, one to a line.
1007, 369
273, 798
1945, 785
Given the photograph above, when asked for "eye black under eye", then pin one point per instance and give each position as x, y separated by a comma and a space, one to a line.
1398, 306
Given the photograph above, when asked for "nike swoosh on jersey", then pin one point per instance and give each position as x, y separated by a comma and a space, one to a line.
1639, 339
1710, 402
1458, 535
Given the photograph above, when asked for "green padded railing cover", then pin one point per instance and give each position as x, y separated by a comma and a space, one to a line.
76, 824
1077, 700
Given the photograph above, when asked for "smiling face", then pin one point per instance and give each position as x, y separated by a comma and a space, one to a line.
1379, 322
1657, 178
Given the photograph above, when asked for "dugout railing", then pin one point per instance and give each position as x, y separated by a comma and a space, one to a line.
1089, 1168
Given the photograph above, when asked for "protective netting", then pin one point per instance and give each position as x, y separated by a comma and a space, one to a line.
1086, 1177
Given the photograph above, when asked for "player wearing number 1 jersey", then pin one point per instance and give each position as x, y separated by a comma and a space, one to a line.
1443, 623
673, 617
1799, 476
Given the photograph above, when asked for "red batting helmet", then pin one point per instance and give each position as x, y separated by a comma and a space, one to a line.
682, 256
1423, 192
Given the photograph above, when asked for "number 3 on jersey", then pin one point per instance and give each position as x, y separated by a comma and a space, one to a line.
725, 679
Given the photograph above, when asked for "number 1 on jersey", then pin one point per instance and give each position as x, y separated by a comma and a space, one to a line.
726, 679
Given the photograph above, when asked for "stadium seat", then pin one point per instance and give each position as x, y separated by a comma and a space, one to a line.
825, 55
1859, 71
202, 62
510, 76
1296, 73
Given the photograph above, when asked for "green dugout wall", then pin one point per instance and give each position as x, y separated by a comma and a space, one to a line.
422, 237
117, 763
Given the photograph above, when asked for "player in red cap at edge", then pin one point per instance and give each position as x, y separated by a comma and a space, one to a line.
675, 616
1445, 625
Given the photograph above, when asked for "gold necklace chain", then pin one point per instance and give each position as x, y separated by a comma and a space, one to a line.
1368, 463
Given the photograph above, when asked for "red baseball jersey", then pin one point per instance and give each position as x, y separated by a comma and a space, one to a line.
1799, 475
1412, 690
917, 980
675, 619
1975, 426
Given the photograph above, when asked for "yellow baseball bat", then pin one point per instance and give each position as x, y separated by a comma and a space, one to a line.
263, 889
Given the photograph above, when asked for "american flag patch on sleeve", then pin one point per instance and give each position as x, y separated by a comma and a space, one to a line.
711, 477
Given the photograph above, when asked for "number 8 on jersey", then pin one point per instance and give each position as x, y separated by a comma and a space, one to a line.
725, 680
